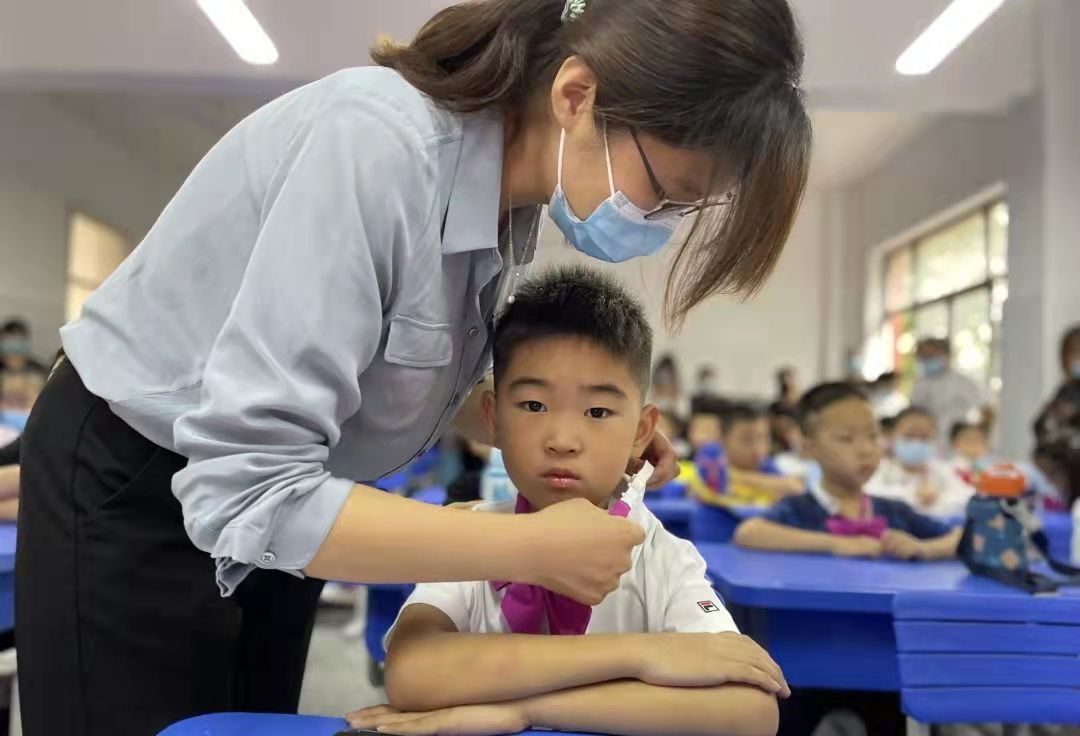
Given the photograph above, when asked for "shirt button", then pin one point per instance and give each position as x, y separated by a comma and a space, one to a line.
474, 332
268, 558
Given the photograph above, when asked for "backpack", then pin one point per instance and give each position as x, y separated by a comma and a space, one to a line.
1003, 539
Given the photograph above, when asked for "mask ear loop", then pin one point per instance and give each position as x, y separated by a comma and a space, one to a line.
607, 155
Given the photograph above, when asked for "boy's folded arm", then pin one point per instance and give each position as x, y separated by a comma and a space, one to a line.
633, 708
430, 665
760, 533
775, 485
944, 547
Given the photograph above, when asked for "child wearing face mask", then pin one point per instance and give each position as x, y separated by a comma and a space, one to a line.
658, 655
838, 515
915, 474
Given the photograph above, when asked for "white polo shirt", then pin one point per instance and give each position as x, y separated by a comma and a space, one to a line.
665, 590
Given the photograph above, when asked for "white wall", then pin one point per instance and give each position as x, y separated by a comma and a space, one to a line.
50, 165
747, 341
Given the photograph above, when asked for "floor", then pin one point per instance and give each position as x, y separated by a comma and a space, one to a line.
336, 681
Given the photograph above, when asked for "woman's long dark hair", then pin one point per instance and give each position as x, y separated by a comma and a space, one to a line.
719, 76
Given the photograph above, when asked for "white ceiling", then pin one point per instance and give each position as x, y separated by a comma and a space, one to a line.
155, 75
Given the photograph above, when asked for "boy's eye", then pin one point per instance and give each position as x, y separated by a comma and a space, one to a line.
532, 406
599, 413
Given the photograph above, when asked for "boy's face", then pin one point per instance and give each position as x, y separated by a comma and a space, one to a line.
567, 416
915, 427
971, 444
704, 429
845, 441
746, 443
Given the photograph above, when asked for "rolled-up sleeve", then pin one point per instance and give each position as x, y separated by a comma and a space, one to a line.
282, 375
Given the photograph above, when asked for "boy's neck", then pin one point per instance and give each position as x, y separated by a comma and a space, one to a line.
849, 497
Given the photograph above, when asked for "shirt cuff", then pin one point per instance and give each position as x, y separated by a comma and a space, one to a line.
301, 526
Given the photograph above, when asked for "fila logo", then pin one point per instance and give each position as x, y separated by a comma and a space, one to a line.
708, 606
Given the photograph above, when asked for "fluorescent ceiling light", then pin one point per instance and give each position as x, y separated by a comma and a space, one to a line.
241, 29
956, 23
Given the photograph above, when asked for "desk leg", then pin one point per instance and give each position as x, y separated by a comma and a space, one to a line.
914, 728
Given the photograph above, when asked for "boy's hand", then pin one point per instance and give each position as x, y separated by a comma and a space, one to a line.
856, 547
578, 550
466, 720
661, 455
706, 660
926, 495
902, 546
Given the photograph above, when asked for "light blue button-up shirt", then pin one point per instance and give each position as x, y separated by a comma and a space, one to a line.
310, 310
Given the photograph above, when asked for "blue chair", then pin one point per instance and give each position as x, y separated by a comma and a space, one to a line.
713, 524
435, 495
1005, 658
383, 604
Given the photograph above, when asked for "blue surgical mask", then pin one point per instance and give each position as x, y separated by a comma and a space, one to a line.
1074, 370
15, 346
932, 366
617, 230
913, 453
982, 464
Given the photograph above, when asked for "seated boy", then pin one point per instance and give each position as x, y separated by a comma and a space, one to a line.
970, 447
836, 516
915, 474
660, 654
753, 476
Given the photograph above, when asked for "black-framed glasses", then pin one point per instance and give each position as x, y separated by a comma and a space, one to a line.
667, 207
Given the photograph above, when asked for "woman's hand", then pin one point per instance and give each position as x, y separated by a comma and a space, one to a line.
661, 454
708, 660
578, 550
466, 720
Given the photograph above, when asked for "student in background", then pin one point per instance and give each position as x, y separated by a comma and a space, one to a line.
914, 473
790, 457
787, 389
838, 516
753, 476
707, 396
704, 428
571, 373
886, 396
667, 386
947, 394
675, 430
21, 374
969, 445
1057, 428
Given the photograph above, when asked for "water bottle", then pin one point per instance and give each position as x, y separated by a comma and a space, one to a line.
495, 484
711, 463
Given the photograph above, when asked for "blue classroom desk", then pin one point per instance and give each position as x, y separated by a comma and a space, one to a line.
249, 724
826, 620
673, 513
7, 576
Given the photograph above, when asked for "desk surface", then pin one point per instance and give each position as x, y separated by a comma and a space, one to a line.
249, 724
825, 583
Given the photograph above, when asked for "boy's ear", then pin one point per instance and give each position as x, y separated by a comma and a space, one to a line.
487, 413
650, 417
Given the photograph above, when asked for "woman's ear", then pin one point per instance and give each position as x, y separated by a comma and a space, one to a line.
650, 416
487, 413
573, 94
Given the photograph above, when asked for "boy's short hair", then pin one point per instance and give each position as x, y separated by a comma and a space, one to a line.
958, 428
575, 301
821, 397
741, 412
916, 411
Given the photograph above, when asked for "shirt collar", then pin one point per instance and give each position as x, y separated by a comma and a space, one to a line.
827, 502
472, 214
